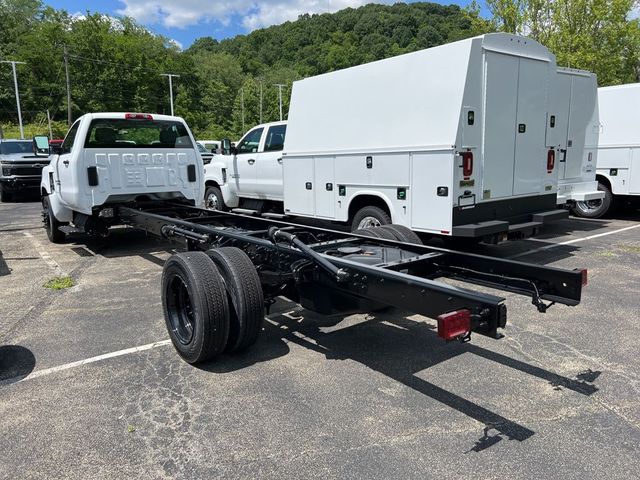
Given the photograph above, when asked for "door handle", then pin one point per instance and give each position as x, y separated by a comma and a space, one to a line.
66, 162
251, 161
280, 160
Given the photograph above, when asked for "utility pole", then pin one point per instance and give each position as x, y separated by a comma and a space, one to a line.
170, 76
49, 122
261, 100
15, 84
66, 74
242, 106
280, 85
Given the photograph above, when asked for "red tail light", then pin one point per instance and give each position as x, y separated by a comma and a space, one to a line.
467, 164
551, 160
454, 324
584, 277
138, 116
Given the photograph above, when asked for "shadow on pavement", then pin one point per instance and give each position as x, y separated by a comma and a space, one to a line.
399, 348
16, 362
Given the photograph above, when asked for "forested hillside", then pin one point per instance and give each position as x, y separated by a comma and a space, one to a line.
116, 64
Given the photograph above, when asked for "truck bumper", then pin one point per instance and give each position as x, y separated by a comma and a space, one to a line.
15, 183
513, 218
578, 192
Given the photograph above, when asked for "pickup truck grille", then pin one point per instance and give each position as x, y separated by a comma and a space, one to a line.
22, 170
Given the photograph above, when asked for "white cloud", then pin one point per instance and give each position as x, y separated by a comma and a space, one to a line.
253, 13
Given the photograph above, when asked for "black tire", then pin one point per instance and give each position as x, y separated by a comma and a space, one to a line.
402, 233
376, 232
373, 216
211, 195
195, 306
51, 223
244, 291
5, 196
595, 209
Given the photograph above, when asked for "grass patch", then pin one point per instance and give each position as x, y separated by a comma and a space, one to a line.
606, 253
131, 428
630, 248
59, 283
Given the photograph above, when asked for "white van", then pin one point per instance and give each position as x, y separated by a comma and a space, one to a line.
573, 127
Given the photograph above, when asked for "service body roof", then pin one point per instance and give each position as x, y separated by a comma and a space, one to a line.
412, 101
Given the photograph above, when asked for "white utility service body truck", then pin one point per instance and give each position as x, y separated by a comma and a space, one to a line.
618, 168
573, 127
115, 158
450, 140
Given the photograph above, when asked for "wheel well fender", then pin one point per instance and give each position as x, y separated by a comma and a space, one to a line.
369, 199
603, 179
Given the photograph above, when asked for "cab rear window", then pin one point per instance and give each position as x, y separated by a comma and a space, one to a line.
134, 133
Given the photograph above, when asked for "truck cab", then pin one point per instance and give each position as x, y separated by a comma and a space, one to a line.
250, 171
109, 159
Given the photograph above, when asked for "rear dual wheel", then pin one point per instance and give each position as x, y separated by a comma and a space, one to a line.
392, 231
212, 302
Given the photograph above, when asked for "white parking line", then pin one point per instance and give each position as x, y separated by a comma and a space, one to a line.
575, 240
86, 361
43, 253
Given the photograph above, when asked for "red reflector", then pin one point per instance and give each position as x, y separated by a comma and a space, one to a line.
551, 160
446, 232
454, 324
584, 277
467, 164
138, 116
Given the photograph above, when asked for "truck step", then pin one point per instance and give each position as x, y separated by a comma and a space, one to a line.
245, 211
70, 229
520, 227
275, 216
550, 216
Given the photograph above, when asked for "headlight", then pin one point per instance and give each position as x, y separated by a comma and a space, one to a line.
6, 171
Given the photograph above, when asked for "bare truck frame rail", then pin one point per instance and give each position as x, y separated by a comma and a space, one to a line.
215, 294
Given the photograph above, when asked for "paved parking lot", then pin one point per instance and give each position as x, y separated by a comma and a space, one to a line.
91, 388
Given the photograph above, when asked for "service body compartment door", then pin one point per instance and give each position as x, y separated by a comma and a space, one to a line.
430, 211
501, 93
530, 152
299, 185
325, 188
559, 109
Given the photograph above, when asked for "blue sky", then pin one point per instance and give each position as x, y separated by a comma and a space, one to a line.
186, 20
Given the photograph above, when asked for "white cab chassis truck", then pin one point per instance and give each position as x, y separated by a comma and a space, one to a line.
618, 168
109, 159
573, 127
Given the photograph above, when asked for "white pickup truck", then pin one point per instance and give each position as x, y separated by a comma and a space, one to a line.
109, 159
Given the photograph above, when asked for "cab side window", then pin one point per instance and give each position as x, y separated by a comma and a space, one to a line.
275, 138
67, 144
250, 143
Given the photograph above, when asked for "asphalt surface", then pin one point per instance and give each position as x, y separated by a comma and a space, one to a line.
366, 396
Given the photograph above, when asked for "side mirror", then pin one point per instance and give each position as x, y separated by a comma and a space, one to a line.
228, 148
41, 145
